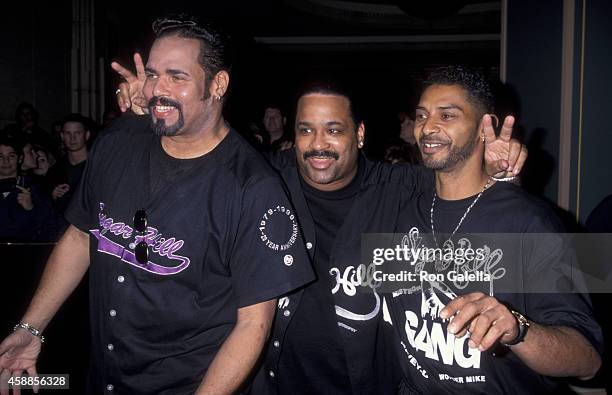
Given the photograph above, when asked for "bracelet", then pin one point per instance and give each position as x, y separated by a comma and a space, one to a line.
504, 179
33, 331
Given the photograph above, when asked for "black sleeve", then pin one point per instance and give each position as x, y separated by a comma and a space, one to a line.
413, 178
81, 211
269, 258
281, 159
551, 269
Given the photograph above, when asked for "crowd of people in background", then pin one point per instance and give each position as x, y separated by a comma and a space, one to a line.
39, 171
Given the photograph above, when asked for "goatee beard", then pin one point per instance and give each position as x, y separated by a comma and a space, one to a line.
455, 156
159, 126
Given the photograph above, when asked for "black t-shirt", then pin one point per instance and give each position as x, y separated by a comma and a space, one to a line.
433, 360
164, 168
222, 235
64, 172
314, 327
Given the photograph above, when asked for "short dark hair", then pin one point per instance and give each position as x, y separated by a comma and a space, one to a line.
474, 82
74, 117
330, 87
14, 143
273, 104
215, 50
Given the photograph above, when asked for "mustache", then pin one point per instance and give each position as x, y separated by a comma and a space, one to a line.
321, 154
429, 140
164, 101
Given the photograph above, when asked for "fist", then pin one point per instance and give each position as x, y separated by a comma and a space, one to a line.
24, 198
60, 191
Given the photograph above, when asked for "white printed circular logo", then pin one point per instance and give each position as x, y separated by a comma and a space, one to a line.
274, 220
288, 259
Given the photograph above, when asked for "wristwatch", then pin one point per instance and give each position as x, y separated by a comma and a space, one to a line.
523, 327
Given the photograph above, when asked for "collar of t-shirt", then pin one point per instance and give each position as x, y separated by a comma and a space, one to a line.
448, 213
165, 169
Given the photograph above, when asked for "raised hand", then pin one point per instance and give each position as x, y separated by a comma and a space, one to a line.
24, 198
129, 94
504, 156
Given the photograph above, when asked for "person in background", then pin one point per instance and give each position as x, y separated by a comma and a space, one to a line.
25, 212
64, 177
26, 126
397, 151
28, 162
44, 160
274, 122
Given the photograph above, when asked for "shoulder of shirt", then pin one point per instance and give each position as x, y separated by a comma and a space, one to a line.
282, 160
124, 130
376, 171
245, 164
379, 172
517, 202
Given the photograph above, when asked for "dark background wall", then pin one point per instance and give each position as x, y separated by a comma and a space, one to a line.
534, 69
534, 72
596, 137
35, 59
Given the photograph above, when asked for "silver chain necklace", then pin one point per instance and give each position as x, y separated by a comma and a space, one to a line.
433, 203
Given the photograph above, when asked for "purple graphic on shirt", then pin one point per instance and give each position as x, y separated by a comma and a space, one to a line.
158, 244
